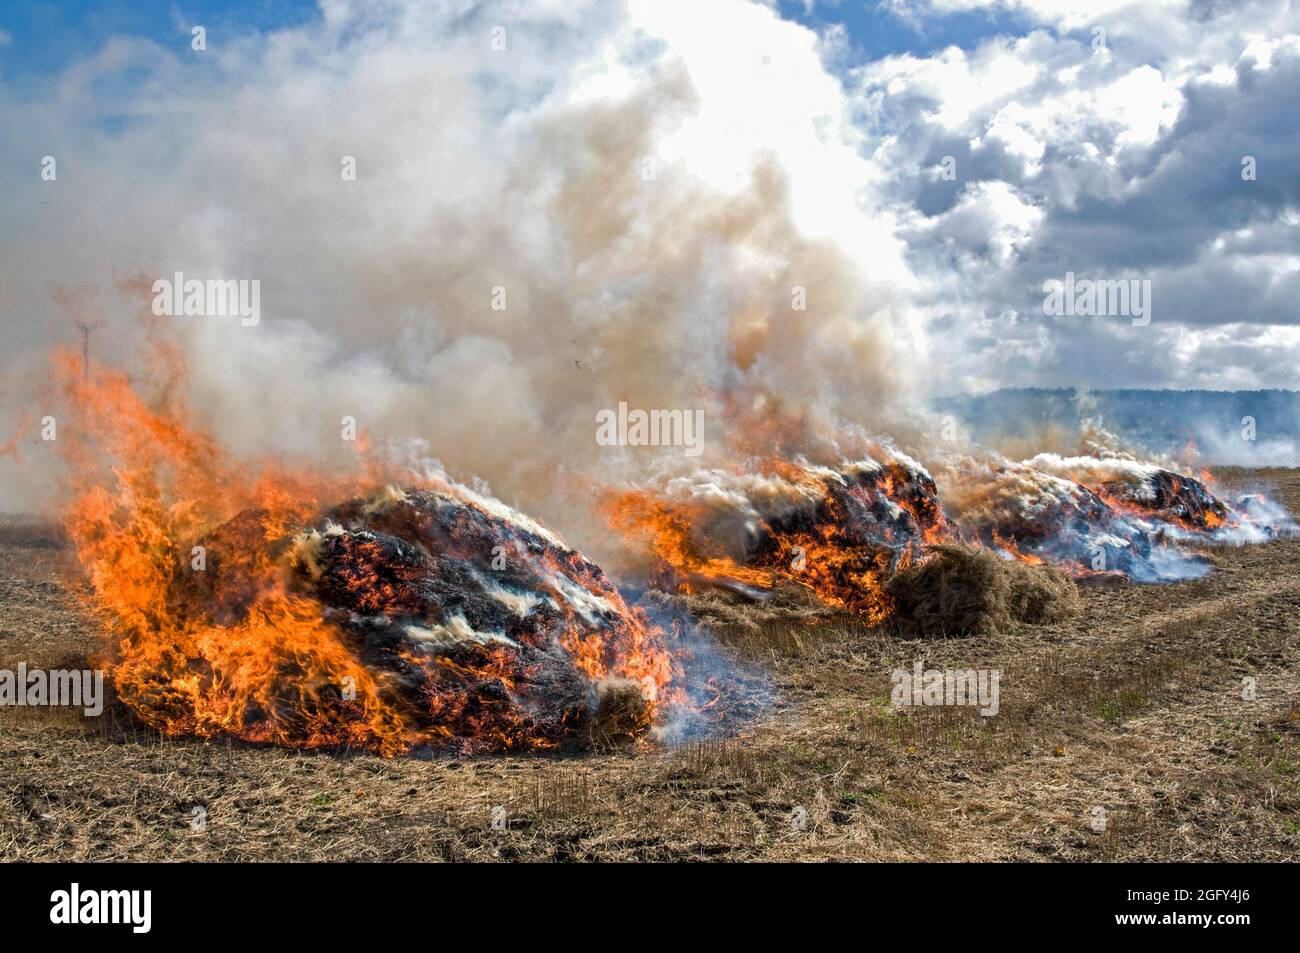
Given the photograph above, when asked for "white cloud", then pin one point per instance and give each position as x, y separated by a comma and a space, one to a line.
1066, 14
765, 92
1114, 164
989, 224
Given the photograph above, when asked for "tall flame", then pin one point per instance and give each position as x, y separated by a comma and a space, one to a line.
144, 482
243, 648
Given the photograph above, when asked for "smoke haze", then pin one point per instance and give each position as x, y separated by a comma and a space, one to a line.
641, 235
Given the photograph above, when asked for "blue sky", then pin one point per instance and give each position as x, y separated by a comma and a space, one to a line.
46, 36
874, 32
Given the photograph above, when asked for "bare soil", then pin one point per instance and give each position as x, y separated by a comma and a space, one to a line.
1133, 708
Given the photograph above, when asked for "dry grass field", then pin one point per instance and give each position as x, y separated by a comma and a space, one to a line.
1135, 707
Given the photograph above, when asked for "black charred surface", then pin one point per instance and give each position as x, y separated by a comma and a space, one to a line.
885, 509
468, 610
1172, 496
460, 612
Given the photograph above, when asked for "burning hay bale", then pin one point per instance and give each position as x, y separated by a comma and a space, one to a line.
239, 605
495, 633
872, 538
1033, 516
1095, 515
1172, 496
967, 590
404, 618
1142, 488
835, 532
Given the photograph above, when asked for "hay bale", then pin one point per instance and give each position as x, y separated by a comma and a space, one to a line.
965, 590
620, 712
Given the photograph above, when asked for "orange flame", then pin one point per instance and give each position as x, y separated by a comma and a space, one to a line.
143, 483
242, 652
844, 573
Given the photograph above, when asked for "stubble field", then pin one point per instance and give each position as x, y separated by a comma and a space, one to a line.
1122, 734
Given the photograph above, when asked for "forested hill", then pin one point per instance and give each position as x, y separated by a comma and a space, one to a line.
1164, 421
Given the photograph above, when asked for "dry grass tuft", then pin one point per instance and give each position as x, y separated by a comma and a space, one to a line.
961, 590
620, 714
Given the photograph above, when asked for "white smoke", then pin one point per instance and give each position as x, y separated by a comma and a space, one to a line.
648, 187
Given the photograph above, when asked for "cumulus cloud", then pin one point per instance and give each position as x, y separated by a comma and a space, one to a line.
1110, 141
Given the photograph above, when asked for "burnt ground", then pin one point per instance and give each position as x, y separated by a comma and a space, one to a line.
1135, 707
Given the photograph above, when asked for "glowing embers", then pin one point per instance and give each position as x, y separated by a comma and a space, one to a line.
837, 532
403, 619
498, 636
845, 533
